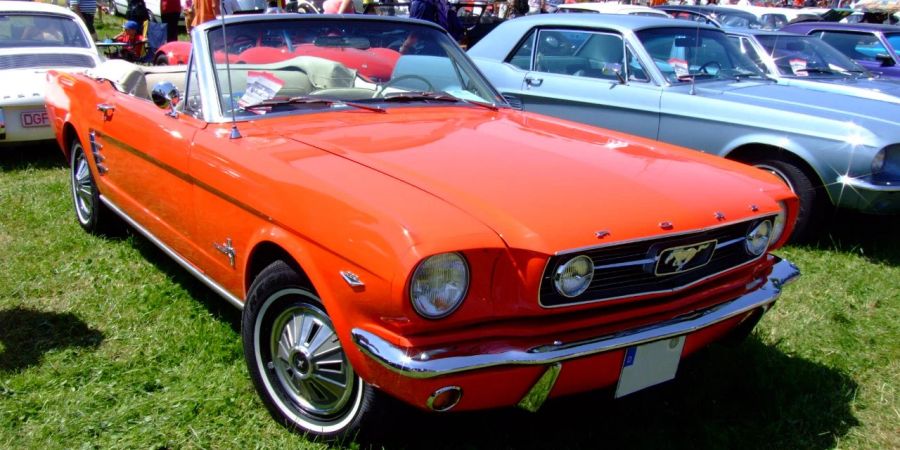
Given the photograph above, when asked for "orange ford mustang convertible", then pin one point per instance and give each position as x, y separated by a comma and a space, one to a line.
415, 236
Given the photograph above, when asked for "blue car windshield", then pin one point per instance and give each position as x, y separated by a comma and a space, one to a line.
686, 54
806, 56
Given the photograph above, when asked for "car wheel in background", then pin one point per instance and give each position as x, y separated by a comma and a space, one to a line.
93, 216
296, 361
810, 198
161, 60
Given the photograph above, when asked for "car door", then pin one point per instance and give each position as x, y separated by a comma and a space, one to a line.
591, 77
144, 153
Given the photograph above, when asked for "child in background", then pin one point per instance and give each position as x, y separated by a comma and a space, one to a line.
133, 40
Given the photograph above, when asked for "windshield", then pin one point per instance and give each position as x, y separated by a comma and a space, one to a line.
40, 30
802, 56
894, 40
738, 20
302, 65
685, 54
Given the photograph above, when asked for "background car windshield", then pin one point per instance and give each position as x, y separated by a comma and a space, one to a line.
803, 56
738, 20
682, 54
351, 61
40, 30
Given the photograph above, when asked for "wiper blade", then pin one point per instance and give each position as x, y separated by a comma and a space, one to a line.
312, 100
440, 97
817, 70
694, 76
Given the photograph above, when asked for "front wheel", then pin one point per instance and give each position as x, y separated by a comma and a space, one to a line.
296, 361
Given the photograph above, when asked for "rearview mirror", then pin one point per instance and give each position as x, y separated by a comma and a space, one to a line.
685, 41
166, 96
885, 59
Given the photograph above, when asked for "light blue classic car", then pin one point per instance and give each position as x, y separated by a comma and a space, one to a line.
688, 84
810, 63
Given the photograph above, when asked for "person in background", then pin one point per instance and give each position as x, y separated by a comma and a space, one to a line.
204, 11
137, 11
134, 42
187, 6
439, 12
338, 7
273, 7
170, 12
86, 10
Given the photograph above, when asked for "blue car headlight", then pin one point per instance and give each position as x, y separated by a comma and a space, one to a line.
886, 165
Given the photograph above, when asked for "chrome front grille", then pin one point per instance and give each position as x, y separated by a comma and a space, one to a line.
630, 269
35, 61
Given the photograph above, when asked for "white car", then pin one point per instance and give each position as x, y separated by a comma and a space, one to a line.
610, 8
34, 38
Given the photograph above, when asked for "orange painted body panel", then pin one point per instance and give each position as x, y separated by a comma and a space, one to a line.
375, 193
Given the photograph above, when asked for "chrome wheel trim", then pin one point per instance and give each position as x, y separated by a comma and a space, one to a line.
82, 185
289, 391
778, 173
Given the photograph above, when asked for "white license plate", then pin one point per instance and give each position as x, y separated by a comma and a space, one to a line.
649, 364
37, 118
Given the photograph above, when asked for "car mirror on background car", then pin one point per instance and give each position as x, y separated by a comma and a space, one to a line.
885, 59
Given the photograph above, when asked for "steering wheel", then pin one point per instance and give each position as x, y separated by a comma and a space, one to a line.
240, 43
396, 80
705, 67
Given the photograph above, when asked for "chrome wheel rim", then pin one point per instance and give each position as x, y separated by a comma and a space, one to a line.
309, 363
781, 176
82, 186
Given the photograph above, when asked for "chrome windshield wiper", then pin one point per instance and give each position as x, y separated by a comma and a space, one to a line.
434, 96
305, 100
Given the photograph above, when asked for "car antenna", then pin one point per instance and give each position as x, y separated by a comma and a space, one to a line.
235, 134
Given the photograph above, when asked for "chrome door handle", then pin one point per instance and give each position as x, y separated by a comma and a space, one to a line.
106, 109
533, 81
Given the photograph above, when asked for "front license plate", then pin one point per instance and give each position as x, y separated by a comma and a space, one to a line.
37, 118
649, 364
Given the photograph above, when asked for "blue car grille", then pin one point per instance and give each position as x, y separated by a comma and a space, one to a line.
630, 269
44, 61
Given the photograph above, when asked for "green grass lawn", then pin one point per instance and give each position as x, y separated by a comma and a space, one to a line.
106, 343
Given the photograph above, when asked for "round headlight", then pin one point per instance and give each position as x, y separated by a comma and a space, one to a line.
778, 225
878, 162
574, 276
758, 238
439, 285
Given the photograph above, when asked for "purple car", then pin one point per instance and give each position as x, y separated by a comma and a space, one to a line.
874, 46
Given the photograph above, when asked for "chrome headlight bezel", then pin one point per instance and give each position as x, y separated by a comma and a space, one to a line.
758, 238
563, 271
421, 295
878, 161
778, 223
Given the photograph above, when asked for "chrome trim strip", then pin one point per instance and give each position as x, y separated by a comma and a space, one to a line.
537, 395
663, 236
174, 255
639, 262
858, 183
430, 363
731, 242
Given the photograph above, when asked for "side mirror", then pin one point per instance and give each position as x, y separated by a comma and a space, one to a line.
166, 96
885, 59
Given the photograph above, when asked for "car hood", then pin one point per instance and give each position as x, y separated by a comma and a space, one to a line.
825, 114
883, 90
542, 184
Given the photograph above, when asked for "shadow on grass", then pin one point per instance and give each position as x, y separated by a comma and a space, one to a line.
32, 156
28, 334
875, 237
217, 306
752, 396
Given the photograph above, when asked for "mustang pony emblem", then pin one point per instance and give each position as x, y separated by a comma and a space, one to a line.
674, 260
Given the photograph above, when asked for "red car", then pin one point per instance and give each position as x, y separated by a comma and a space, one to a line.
417, 237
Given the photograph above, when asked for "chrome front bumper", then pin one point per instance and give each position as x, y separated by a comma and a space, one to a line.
432, 363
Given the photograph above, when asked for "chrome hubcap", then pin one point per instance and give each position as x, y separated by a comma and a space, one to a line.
309, 362
82, 187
